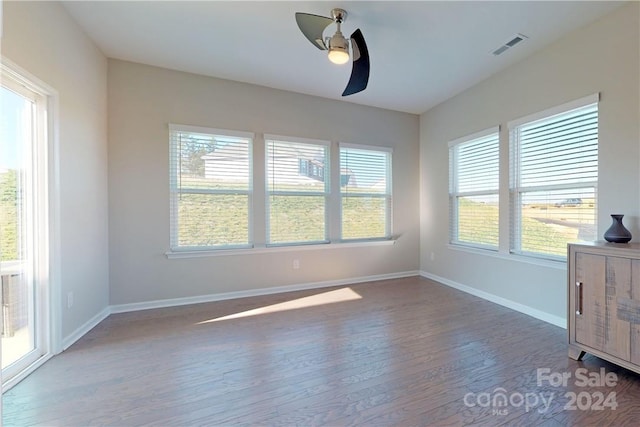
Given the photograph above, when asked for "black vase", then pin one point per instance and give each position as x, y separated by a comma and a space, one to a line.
617, 233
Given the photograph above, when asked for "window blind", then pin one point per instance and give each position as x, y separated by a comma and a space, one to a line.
474, 186
554, 175
365, 182
211, 188
298, 188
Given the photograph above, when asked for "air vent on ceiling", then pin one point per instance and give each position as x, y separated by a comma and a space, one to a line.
511, 43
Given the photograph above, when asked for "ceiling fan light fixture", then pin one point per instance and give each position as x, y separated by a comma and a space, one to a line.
338, 49
313, 27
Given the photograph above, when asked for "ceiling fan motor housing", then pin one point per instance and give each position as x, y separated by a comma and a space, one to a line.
338, 45
338, 42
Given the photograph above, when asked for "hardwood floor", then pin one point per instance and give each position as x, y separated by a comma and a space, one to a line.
406, 352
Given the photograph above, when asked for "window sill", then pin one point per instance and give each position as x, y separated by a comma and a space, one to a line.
276, 249
559, 265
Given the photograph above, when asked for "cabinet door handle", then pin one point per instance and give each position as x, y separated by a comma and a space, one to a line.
579, 298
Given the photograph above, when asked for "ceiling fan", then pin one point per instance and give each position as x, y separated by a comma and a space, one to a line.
313, 26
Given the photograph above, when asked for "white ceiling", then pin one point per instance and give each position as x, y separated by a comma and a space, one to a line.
422, 53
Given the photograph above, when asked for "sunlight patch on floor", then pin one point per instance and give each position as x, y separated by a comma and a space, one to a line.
339, 295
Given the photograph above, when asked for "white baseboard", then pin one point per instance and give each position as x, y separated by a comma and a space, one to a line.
525, 309
82, 330
8, 384
123, 308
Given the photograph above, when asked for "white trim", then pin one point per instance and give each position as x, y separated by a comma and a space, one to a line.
83, 329
52, 295
211, 131
477, 135
525, 309
560, 264
473, 247
475, 193
297, 193
294, 140
8, 384
365, 147
25, 78
555, 187
275, 249
549, 112
174, 302
55, 275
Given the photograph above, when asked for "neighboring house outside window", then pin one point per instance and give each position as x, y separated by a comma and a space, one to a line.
365, 180
212, 204
311, 168
297, 190
211, 188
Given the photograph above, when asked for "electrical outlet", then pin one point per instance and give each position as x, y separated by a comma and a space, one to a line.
69, 299
296, 264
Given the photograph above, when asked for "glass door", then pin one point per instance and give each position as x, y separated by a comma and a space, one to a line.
23, 229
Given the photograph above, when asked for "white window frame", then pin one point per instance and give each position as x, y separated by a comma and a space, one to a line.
46, 221
268, 192
259, 196
516, 189
455, 194
176, 191
387, 195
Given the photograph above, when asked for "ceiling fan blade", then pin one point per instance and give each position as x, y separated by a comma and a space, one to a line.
360, 71
312, 26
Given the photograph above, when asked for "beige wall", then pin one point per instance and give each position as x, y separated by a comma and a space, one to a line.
602, 57
143, 100
41, 38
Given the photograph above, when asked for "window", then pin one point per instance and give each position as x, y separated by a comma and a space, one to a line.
365, 181
298, 190
554, 175
311, 196
211, 188
473, 189
27, 208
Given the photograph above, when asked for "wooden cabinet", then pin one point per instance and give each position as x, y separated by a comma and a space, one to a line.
604, 302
